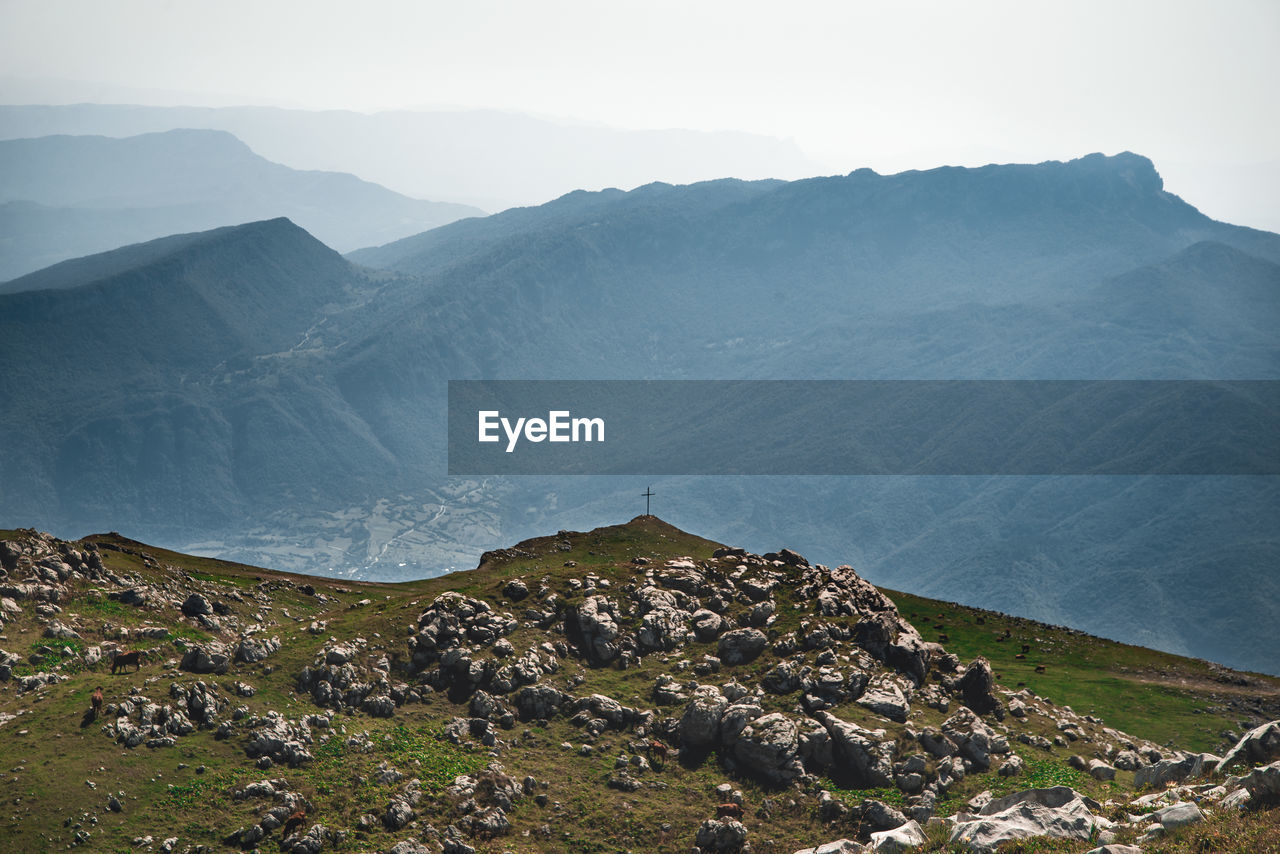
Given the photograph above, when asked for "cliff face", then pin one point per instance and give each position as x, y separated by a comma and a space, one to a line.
633, 686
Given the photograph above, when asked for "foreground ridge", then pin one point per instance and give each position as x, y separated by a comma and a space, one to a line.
629, 688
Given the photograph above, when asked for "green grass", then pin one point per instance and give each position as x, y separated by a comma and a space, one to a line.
1128, 687
893, 797
434, 760
101, 606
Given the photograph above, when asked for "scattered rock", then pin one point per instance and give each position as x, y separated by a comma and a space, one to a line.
1263, 784
977, 688
1058, 812
903, 838
196, 606
211, 657
1258, 746
1100, 770
721, 837
699, 726
1166, 771
741, 646
840, 846
767, 748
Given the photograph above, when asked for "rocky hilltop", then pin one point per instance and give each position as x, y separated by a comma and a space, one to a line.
633, 688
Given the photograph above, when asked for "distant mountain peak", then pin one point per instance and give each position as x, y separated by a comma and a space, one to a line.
280, 233
70, 196
1138, 170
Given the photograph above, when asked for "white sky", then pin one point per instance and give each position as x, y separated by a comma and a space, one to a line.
891, 84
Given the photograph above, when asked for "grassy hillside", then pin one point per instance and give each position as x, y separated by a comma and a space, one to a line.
63, 767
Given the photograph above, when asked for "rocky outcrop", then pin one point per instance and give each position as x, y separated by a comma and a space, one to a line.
767, 748
540, 702
254, 649
196, 605
664, 628
280, 740
451, 621
741, 646
1258, 746
1059, 812
139, 721
597, 624
1263, 784
977, 688
699, 726
840, 846
202, 702
974, 740
905, 837
862, 757
209, 657
340, 679
1186, 766
885, 697
721, 837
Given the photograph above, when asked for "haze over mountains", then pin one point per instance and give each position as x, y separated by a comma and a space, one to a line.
486, 158
66, 196
251, 392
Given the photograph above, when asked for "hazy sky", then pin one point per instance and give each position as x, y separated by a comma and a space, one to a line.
891, 84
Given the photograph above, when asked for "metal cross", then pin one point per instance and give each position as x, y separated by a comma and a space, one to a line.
648, 491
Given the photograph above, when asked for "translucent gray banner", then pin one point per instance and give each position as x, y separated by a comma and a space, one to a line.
824, 427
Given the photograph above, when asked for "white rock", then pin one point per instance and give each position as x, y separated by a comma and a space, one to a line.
903, 838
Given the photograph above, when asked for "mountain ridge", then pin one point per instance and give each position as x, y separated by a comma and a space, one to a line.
321, 448
483, 157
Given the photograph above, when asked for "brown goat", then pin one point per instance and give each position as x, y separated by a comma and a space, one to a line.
1040, 668
293, 822
658, 752
124, 659
95, 702
729, 811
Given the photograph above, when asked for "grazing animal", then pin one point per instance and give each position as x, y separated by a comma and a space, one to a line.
294, 822
1008, 633
729, 811
1040, 668
658, 752
124, 659
95, 702
1026, 648
982, 621
944, 639
1020, 656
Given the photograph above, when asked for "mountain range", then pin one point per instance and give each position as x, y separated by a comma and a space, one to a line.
249, 392
488, 158
64, 197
